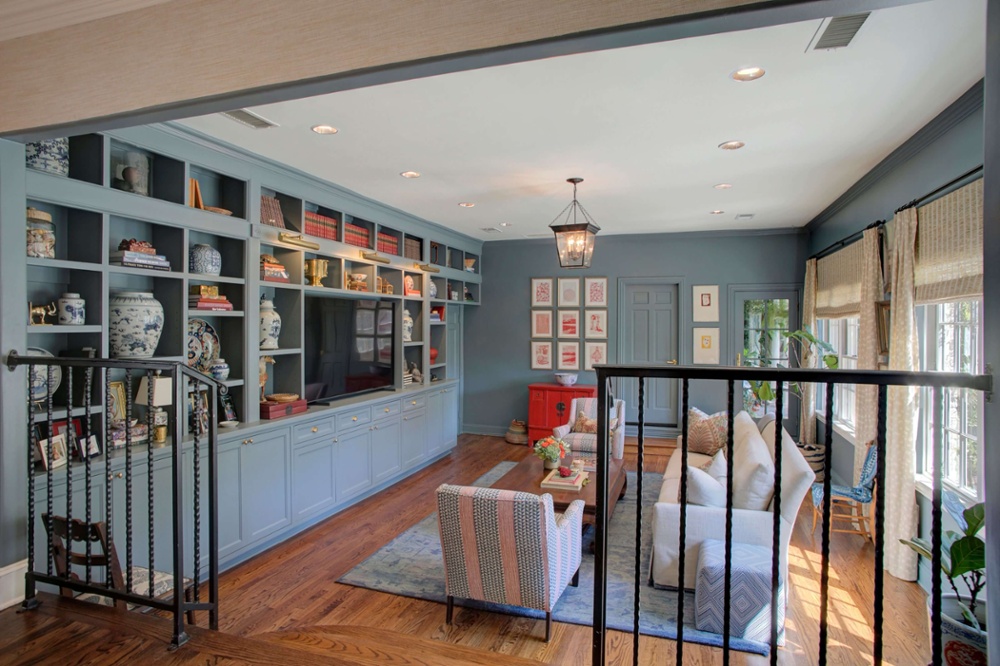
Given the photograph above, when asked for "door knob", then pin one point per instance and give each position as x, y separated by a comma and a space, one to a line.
671, 362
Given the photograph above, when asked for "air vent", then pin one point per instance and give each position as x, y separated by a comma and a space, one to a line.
744, 217
840, 31
491, 230
249, 119
542, 235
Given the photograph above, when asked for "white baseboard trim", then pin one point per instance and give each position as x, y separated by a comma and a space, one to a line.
12, 583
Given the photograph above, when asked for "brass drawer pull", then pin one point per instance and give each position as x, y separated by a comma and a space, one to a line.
354, 418
386, 410
315, 428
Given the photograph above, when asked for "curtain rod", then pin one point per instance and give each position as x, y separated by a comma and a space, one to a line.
930, 195
856, 236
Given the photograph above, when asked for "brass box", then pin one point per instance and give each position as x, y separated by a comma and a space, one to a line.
204, 290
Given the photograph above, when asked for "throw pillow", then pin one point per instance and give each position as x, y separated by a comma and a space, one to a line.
706, 433
716, 467
583, 424
703, 490
753, 467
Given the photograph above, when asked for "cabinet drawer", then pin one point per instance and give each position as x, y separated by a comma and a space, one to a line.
418, 402
353, 418
385, 410
315, 429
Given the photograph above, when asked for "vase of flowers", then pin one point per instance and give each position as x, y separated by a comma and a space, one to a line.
551, 450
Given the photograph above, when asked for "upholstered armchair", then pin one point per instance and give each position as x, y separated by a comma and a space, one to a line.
585, 442
508, 547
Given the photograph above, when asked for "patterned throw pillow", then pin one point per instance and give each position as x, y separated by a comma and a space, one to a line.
706, 433
583, 424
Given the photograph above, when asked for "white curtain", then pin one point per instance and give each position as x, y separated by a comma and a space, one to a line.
807, 431
902, 414
866, 396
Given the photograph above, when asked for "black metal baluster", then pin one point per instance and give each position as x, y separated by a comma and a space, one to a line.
177, 493
727, 599
109, 514
151, 525
128, 480
824, 579
196, 462
88, 485
638, 524
48, 467
776, 591
599, 649
70, 447
936, 536
213, 530
682, 537
34, 445
879, 519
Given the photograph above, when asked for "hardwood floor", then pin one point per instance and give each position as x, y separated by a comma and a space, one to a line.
288, 597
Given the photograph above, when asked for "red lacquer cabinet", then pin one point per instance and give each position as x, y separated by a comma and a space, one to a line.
548, 407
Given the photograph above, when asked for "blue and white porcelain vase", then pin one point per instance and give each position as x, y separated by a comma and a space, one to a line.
270, 324
204, 259
51, 156
219, 369
432, 289
135, 323
72, 310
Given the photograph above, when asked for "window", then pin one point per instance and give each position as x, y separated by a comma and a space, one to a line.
952, 342
842, 335
765, 341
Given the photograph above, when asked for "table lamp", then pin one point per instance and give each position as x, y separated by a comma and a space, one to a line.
163, 388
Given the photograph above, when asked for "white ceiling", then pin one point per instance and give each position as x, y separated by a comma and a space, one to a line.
641, 126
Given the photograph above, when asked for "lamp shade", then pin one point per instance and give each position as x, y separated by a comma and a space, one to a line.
163, 388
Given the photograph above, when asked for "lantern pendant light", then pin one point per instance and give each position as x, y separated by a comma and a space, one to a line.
575, 231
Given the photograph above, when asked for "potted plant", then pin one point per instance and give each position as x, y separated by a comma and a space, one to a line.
758, 394
963, 556
551, 450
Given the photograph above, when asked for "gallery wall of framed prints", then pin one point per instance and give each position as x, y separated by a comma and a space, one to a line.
569, 323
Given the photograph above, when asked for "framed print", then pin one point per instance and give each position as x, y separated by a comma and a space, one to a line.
541, 323
227, 408
541, 292
594, 353
116, 401
92, 449
569, 356
706, 302
569, 292
60, 428
198, 422
706, 346
58, 452
595, 324
541, 355
569, 324
595, 292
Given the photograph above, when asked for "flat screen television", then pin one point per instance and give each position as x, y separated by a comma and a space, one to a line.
349, 347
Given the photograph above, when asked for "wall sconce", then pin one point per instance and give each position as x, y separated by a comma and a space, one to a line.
293, 239
374, 256
427, 268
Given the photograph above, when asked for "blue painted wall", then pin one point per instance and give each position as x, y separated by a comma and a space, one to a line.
498, 334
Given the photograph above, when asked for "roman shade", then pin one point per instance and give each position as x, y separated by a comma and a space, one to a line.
838, 284
948, 265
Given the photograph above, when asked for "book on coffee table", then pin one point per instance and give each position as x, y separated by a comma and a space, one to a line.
574, 481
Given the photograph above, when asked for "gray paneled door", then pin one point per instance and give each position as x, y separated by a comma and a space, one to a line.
648, 327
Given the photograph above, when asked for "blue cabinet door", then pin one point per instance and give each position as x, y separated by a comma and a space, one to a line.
414, 438
79, 510
450, 408
435, 423
230, 498
264, 485
386, 461
135, 522
354, 472
314, 486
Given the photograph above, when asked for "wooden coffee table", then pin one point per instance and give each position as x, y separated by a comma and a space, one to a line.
527, 477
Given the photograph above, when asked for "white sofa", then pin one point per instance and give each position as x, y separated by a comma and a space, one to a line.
704, 522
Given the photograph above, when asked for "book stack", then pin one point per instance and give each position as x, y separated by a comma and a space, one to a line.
387, 243
207, 297
357, 236
270, 272
407, 378
270, 212
321, 225
138, 254
574, 481
413, 249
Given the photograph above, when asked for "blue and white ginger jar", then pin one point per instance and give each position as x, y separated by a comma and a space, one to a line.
204, 259
51, 156
270, 324
136, 323
72, 310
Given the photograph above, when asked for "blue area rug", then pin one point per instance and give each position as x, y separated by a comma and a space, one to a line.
411, 565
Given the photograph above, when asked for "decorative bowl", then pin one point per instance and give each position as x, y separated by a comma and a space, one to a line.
358, 277
228, 424
566, 378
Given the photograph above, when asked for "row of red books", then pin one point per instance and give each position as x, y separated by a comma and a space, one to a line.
270, 212
321, 225
273, 272
387, 243
357, 236
209, 303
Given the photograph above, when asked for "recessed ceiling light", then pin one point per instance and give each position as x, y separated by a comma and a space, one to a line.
410, 174
731, 145
747, 74
324, 129
723, 186
506, 224
716, 212
466, 204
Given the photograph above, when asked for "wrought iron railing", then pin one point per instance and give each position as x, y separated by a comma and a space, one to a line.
191, 495
780, 376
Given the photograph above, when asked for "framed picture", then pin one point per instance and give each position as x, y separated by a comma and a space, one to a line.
594, 353
116, 401
595, 324
706, 302
541, 292
595, 292
198, 422
706, 346
541, 355
541, 323
58, 452
92, 448
883, 313
569, 356
569, 324
60, 428
569, 292
227, 408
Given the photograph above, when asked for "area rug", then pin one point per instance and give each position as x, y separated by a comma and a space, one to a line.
411, 565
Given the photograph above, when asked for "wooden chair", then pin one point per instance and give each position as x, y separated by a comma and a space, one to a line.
847, 503
63, 533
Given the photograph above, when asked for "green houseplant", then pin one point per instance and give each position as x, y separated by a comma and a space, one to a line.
797, 341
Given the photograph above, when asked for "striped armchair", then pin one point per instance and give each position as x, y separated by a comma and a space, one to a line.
584, 442
508, 547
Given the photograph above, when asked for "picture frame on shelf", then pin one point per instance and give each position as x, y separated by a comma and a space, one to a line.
227, 407
595, 324
541, 323
131, 171
883, 320
569, 324
705, 301
92, 448
116, 401
198, 423
59, 455
541, 293
61, 428
594, 353
569, 292
569, 356
541, 355
706, 346
595, 292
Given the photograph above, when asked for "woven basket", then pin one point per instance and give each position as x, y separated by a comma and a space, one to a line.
815, 455
517, 433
